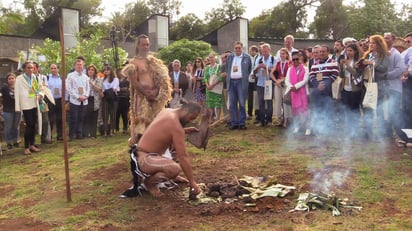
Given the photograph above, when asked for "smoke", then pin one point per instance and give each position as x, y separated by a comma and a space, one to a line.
326, 180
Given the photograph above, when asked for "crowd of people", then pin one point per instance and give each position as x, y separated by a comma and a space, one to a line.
37, 100
312, 91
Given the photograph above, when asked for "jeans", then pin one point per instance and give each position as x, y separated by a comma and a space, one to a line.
11, 126
395, 116
237, 101
265, 111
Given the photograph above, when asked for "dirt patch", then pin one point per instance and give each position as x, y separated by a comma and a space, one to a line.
23, 224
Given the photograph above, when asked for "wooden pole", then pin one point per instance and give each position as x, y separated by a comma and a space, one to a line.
63, 99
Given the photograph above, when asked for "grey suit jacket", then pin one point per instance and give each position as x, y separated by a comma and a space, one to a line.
246, 68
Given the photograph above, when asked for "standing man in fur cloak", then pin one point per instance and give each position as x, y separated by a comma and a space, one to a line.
151, 88
150, 92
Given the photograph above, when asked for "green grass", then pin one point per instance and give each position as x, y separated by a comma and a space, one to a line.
34, 186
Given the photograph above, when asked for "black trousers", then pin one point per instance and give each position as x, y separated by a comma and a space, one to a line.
251, 88
55, 117
30, 118
90, 121
122, 111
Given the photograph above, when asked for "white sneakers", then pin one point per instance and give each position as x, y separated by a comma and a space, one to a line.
296, 130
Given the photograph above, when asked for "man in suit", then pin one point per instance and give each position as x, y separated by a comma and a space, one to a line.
238, 68
179, 80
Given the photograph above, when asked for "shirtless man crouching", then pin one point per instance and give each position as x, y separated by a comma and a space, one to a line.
167, 130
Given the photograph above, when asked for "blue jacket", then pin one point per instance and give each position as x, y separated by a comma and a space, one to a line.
246, 67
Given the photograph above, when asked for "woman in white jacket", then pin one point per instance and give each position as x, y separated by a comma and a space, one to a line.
28, 95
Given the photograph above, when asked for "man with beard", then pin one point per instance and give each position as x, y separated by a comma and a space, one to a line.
166, 131
151, 88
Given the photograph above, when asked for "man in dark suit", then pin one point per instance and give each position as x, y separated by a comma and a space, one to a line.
180, 82
238, 68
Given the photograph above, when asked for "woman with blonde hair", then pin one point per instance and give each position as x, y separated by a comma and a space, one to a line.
214, 86
377, 62
282, 111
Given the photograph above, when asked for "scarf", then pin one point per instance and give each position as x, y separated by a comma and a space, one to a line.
299, 98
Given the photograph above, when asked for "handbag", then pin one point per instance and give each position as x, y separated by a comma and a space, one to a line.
218, 89
337, 88
370, 100
109, 95
287, 98
267, 95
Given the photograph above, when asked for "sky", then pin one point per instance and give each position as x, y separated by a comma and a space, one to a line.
197, 7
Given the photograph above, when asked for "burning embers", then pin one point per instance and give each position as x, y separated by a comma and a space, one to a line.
259, 194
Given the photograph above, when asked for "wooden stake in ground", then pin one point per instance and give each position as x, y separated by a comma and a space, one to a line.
63, 77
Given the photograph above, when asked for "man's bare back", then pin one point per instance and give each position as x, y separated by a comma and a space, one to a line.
162, 132
167, 129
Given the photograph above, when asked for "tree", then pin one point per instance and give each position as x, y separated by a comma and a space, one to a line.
229, 11
165, 7
189, 27
87, 47
184, 50
88, 8
374, 17
288, 17
129, 20
331, 20
8, 19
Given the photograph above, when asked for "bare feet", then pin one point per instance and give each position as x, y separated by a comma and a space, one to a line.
180, 179
154, 191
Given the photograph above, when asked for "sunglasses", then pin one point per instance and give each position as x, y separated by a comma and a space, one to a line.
295, 59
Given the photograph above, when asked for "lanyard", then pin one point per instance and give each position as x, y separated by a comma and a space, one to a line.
282, 68
321, 65
371, 57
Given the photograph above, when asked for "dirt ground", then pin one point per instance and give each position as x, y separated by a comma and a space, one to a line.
224, 161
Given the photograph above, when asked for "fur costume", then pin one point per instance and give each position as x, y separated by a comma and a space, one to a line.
142, 111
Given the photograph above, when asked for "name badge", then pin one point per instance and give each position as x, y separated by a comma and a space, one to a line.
319, 77
81, 91
264, 73
235, 68
31, 93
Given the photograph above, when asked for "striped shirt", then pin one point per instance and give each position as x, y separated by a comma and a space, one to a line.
329, 70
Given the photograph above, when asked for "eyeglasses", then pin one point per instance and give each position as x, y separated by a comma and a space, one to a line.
198, 61
295, 59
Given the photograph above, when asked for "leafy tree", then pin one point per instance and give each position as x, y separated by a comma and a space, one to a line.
184, 50
165, 7
88, 8
374, 17
129, 20
189, 27
288, 17
8, 19
87, 47
331, 20
405, 15
228, 11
